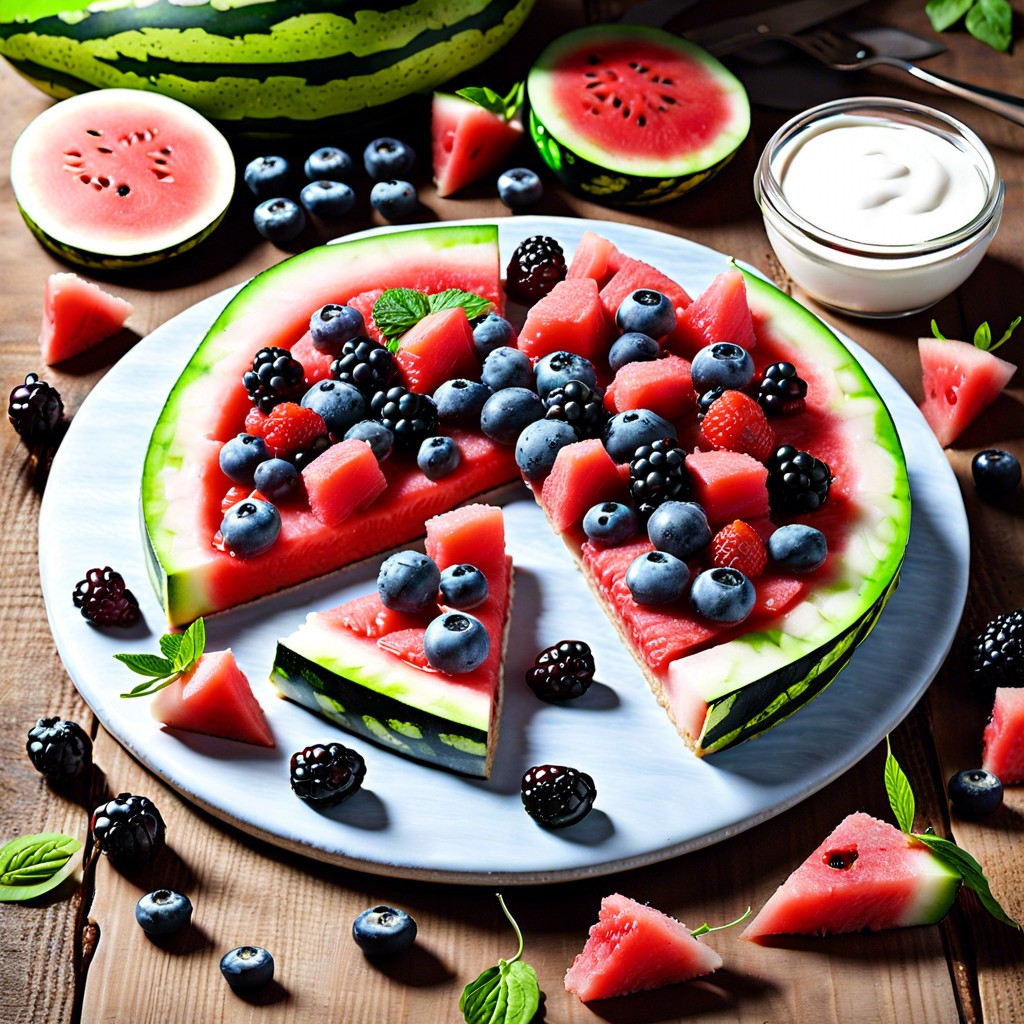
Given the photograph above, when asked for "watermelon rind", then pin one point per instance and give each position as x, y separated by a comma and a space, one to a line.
624, 177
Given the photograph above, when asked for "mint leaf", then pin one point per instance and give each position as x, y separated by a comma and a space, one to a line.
983, 337
1007, 334
170, 643
182, 652
397, 310
991, 22
901, 796
938, 334
33, 865
944, 13
146, 664
504, 106
474, 305
514, 100
193, 640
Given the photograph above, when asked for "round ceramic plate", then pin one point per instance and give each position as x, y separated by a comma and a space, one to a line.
655, 799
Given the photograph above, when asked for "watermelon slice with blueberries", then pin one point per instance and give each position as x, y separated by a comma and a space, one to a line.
78, 315
1003, 740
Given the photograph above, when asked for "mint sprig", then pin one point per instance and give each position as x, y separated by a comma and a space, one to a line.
504, 106
989, 21
983, 335
901, 800
33, 865
399, 309
180, 653
506, 994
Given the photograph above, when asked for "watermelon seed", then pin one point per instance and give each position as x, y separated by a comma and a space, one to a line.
123, 190
103, 149
593, 59
72, 152
93, 131
641, 121
841, 860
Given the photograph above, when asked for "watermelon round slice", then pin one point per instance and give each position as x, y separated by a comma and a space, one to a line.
1004, 736
634, 947
468, 141
77, 315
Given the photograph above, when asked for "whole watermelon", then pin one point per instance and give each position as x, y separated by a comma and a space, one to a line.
263, 65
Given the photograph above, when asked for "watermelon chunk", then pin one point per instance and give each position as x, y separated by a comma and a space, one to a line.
214, 698
438, 348
634, 947
960, 382
369, 617
342, 479
729, 485
583, 475
866, 875
316, 364
77, 315
720, 313
661, 385
595, 257
570, 318
633, 274
1003, 741
364, 302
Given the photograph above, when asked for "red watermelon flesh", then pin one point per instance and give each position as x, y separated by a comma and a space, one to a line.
215, 698
634, 947
342, 479
595, 257
960, 381
633, 274
316, 364
364, 302
77, 315
866, 875
438, 348
661, 385
468, 141
720, 313
369, 617
729, 485
569, 318
583, 475
1004, 736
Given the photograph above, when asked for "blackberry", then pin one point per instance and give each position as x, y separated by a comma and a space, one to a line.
537, 265
104, 599
59, 750
557, 796
562, 672
410, 416
657, 473
36, 411
797, 481
326, 774
365, 364
782, 390
305, 456
705, 401
998, 651
578, 405
129, 830
275, 377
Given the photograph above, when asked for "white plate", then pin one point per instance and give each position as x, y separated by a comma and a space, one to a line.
655, 800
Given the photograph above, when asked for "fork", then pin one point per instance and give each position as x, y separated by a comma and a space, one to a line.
845, 54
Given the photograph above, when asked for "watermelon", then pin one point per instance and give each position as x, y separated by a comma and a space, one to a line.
594, 257
120, 178
77, 315
583, 475
632, 274
722, 313
633, 116
570, 318
866, 875
264, 65
438, 348
960, 381
341, 480
661, 385
634, 947
728, 485
1003, 751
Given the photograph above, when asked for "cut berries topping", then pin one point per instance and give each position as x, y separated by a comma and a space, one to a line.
537, 265
998, 651
562, 672
36, 411
275, 377
129, 830
410, 416
657, 473
782, 390
326, 773
103, 598
797, 481
290, 428
578, 405
365, 364
736, 423
255, 422
557, 796
59, 750
738, 546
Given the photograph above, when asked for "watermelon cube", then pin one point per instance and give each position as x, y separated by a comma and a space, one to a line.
720, 313
633, 274
1003, 741
729, 485
316, 364
595, 257
583, 475
77, 315
569, 318
468, 141
342, 479
661, 385
438, 348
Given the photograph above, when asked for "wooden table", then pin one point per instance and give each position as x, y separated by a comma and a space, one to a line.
80, 956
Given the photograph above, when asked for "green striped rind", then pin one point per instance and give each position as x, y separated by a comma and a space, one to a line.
264, 65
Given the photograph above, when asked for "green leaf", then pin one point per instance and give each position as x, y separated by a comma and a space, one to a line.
983, 337
151, 686
474, 305
1007, 334
901, 796
146, 664
944, 13
938, 334
991, 22
193, 641
504, 106
33, 865
397, 310
970, 871
514, 100
182, 652
170, 644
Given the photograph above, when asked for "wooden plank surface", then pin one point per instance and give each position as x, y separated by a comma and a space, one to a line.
969, 968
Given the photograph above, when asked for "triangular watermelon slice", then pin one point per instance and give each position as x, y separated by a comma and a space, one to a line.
866, 875
634, 947
1004, 736
77, 315
720, 313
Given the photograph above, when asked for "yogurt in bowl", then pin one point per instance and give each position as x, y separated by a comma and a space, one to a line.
878, 207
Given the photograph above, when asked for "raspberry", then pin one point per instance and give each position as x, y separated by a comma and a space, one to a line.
255, 422
738, 546
737, 423
291, 428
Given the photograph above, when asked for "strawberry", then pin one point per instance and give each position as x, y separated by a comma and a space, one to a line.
736, 423
738, 546
255, 422
291, 428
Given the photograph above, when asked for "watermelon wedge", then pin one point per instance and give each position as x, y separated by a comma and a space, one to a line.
721, 313
468, 141
77, 315
634, 947
1004, 736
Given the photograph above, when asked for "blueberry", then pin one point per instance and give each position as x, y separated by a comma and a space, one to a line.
974, 793
383, 931
558, 368
437, 457
329, 162
722, 365
456, 642
657, 578
375, 434
647, 311
279, 220
463, 586
387, 158
507, 368
610, 523
240, 456
163, 912
460, 401
996, 472
408, 582
508, 412
627, 431
519, 188
491, 332
247, 968
798, 547
538, 445
332, 325
327, 199
267, 175
680, 528
633, 347
341, 405
276, 479
394, 200
722, 595
250, 527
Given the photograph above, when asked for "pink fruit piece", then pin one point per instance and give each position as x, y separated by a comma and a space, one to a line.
1003, 741
341, 480
720, 313
569, 318
661, 385
583, 475
728, 485
438, 348
77, 315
